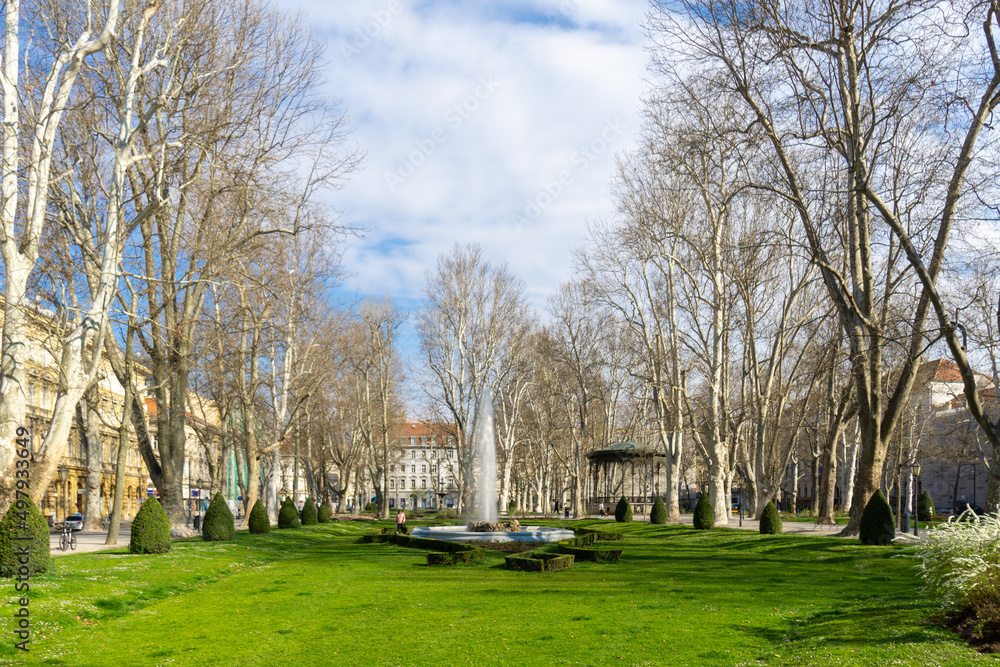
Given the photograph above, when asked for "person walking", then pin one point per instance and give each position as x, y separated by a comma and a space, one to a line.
401, 522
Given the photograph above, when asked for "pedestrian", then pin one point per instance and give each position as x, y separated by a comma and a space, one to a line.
600, 509
401, 522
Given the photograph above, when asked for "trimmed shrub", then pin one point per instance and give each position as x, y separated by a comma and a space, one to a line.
150, 529
878, 526
704, 514
512, 508
659, 512
324, 512
217, 524
371, 508
535, 561
23, 520
288, 516
770, 520
623, 511
600, 535
925, 507
309, 513
259, 521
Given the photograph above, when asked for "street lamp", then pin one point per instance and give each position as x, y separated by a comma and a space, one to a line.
64, 478
916, 497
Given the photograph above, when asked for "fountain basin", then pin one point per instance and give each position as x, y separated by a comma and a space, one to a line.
462, 534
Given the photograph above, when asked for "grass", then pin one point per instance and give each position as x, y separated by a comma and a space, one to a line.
316, 596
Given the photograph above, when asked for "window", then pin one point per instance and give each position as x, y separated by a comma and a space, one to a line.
423, 454
413, 469
423, 484
451, 440
449, 453
451, 484
423, 468
434, 468
392, 468
413, 483
392, 484
413, 441
434, 454
413, 452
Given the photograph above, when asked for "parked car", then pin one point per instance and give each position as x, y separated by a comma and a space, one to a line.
75, 521
943, 510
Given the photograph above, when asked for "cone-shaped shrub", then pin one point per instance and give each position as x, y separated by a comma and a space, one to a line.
324, 512
150, 529
23, 526
259, 522
659, 512
925, 507
623, 511
309, 513
704, 514
217, 525
288, 516
770, 520
877, 523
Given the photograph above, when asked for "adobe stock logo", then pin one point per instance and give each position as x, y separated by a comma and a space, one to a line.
581, 160
453, 118
378, 21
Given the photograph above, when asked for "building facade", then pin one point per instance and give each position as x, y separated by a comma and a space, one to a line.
423, 471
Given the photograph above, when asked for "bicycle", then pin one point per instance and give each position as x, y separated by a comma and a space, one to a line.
67, 539
105, 522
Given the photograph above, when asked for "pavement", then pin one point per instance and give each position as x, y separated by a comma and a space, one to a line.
90, 540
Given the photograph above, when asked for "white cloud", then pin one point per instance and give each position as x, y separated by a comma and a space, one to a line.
469, 113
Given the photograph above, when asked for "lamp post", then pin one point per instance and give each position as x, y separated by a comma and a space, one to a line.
916, 497
64, 478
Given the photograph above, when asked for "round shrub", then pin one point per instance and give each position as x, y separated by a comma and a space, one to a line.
704, 513
925, 507
23, 520
288, 516
150, 529
770, 520
623, 511
371, 508
324, 512
217, 524
309, 517
259, 522
877, 523
659, 512
512, 509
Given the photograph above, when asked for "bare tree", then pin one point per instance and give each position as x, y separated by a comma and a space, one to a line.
473, 311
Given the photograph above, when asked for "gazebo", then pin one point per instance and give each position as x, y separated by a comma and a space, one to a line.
625, 469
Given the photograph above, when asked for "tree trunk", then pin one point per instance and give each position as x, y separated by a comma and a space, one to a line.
92, 434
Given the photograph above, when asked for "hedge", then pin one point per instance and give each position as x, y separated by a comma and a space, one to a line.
150, 529
288, 516
535, 561
324, 512
583, 548
471, 555
602, 535
23, 520
259, 522
217, 524
309, 514
878, 526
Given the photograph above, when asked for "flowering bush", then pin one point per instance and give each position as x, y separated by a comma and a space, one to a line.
960, 561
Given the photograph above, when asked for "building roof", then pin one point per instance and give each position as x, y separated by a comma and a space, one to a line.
938, 370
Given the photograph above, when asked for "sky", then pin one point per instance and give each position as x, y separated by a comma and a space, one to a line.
488, 122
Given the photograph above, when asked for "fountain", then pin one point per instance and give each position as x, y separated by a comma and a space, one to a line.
484, 526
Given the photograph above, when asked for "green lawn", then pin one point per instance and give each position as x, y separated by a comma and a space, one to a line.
316, 596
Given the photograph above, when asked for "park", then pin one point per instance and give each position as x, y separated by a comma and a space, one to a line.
319, 595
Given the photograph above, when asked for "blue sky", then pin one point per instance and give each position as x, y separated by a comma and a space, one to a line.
484, 122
